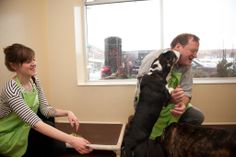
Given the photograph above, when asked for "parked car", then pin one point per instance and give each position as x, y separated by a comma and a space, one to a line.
201, 69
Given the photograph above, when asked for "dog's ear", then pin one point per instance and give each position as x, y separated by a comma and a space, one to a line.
164, 63
155, 66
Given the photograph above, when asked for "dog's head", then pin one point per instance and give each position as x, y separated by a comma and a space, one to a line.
164, 63
198, 141
168, 133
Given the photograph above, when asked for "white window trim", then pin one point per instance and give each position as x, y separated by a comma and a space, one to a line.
96, 2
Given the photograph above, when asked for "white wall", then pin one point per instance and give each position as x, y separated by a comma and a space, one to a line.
47, 26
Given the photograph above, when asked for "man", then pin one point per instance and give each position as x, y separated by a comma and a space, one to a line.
179, 108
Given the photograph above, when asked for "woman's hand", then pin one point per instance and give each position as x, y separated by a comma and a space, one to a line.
80, 145
73, 120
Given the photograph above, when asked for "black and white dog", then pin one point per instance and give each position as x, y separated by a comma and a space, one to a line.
185, 140
154, 94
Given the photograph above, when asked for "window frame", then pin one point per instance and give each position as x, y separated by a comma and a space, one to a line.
82, 44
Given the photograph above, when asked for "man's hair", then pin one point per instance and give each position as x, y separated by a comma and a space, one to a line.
17, 54
183, 39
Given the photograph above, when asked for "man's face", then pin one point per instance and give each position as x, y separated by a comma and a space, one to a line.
188, 52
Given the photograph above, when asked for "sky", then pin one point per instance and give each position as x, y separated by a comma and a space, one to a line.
139, 29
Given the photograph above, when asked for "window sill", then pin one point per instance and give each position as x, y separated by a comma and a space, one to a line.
215, 80
116, 82
119, 82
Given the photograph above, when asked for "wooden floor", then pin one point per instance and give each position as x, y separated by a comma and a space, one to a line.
72, 153
228, 127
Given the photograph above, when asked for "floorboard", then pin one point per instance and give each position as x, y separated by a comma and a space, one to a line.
70, 152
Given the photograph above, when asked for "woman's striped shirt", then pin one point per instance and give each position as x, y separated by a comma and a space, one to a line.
11, 100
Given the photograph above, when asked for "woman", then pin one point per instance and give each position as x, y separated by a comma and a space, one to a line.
20, 100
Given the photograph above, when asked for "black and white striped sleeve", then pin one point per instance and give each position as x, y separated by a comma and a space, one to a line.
12, 93
44, 107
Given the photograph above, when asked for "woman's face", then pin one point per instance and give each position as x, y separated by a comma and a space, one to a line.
188, 52
27, 69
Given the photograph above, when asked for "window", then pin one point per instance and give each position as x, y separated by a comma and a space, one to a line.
120, 34
214, 25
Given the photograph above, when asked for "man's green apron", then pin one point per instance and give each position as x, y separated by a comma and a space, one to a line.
166, 118
13, 131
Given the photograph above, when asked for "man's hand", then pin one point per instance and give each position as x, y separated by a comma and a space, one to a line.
177, 95
180, 100
178, 110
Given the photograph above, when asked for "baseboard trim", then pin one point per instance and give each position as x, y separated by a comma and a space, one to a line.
219, 123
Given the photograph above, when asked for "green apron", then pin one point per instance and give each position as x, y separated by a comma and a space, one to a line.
166, 118
13, 131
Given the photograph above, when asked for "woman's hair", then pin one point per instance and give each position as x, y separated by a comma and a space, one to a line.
17, 54
183, 39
